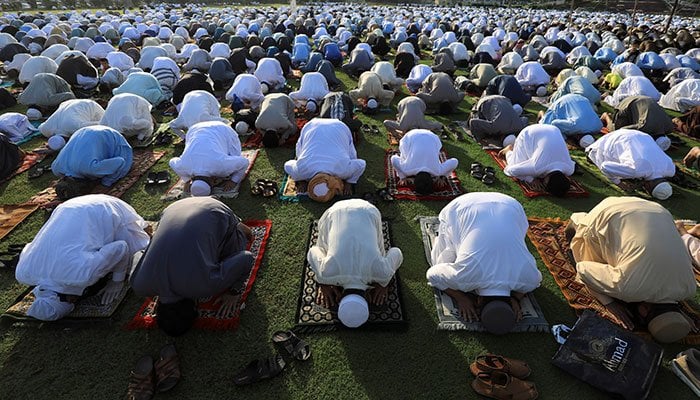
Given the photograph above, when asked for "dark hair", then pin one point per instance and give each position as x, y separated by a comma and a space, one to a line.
557, 183
270, 139
176, 318
445, 108
424, 183
68, 188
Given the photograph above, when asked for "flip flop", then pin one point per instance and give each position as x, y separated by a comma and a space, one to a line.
489, 178
477, 171
296, 347
167, 369
151, 178
38, 171
259, 370
162, 177
385, 195
269, 188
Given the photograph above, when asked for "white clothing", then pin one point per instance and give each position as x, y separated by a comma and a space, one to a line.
325, 146
130, 115
70, 116
420, 152
459, 51
481, 247
537, 151
350, 248
148, 55
17, 62
212, 149
630, 154
531, 73
84, 239
15, 126
120, 60
313, 86
99, 50
270, 71
627, 69
386, 73
52, 52
418, 74
36, 65
247, 88
219, 50
633, 86
197, 106
510, 63
683, 96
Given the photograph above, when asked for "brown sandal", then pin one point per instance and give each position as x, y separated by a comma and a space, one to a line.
141, 381
492, 362
167, 369
501, 386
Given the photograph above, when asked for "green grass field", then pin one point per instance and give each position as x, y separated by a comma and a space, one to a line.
419, 363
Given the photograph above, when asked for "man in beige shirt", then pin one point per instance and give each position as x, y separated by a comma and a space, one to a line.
630, 256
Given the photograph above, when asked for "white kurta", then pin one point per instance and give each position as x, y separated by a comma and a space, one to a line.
350, 248
70, 116
683, 96
633, 86
531, 73
130, 115
247, 88
313, 86
84, 239
34, 66
537, 151
630, 154
481, 247
325, 146
270, 71
212, 149
420, 152
197, 106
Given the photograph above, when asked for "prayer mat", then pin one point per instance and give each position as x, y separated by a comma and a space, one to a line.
288, 191
448, 314
254, 141
13, 215
487, 143
86, 309
30, 159
312, 318
177, 191
207, 308
409, 193
393, 140
536, 188
29, 137
685, 172
543, 101
626, 186
548, 237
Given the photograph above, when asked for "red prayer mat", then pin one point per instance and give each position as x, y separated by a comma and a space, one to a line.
30, 159
254, 141
409, 192
145, 318
536, 187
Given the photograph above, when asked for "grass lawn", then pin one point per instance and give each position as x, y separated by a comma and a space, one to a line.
420, 363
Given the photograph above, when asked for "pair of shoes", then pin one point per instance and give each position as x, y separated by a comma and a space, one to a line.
686, 366
485, 174
499, 377
266, 368
38, 171
385, 195
160, 376
264, 187
157, 178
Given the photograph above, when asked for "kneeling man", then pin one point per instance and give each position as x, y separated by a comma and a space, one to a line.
419, 161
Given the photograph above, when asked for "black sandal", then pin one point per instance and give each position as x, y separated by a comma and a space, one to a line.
259, 370
489, 178
162, 177
385, 195
290, 342
38, 171
258, 187
269, 188
151, 178
477, 170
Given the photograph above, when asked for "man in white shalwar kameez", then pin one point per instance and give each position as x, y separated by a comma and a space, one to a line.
325, 148
420, 158
480, 250
70, 116
313, 86
197, 106
633, 86
246, 88
130, 115
350, 261
212, 156
540, 151
269, 71
631, 154
85, 239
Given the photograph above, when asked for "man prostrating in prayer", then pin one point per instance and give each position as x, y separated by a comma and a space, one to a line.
350, 262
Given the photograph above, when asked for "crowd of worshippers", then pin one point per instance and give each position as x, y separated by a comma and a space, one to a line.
177, 61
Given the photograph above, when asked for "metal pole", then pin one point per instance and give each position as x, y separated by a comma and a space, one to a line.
670, 17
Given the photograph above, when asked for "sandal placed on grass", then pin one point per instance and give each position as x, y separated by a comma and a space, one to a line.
269, 188
141, 385
257, 188
489, 178
162, 177
477, 170
259, 370
38, 171
501, 386
492, 362
167, 369
385, 195
296, 347
151, 178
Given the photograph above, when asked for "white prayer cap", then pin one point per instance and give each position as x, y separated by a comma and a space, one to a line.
200, 188
664, 142
264, 88
586, 141
320, 190
56, 142
242, 127
353, 310
33, 114
508, 140
662, 191
541, 91
47, 306
518, 109
372, 103
311, 105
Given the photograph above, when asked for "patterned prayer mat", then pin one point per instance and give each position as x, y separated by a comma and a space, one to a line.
312, 318
409, 193
548, 237
288, 191
87, 309
393, 140
30, 159
177, 191
448, 314
208, 319
487, 143
536, 187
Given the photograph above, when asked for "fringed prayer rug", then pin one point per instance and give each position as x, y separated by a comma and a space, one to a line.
448, 313
86, 309
548, 237
208, 319
177, 191
254, 141
408, 192
312, 318
29, 160
487, 143
536, 188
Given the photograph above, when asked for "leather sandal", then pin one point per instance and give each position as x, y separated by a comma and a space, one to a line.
501, 386
290, 342
167, 369
492, 362
258, 370
141, 385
